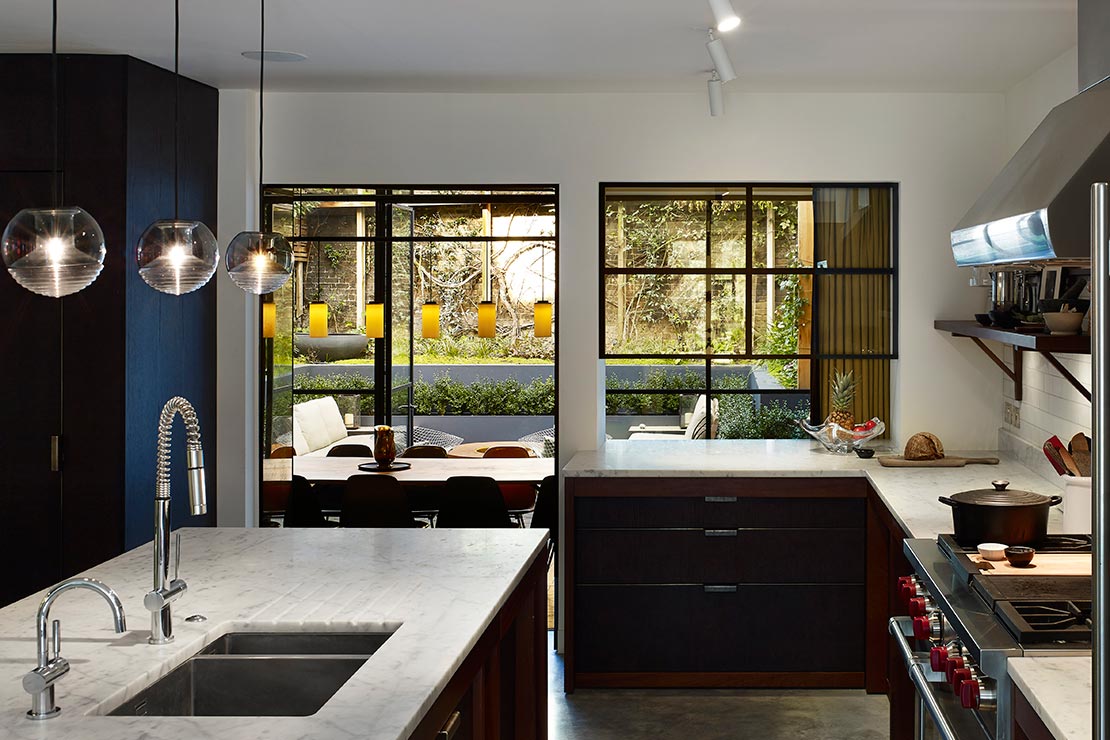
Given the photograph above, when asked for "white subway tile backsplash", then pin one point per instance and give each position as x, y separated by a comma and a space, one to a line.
1050, 404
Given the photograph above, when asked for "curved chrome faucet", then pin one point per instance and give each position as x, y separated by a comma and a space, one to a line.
166, 591
39, 683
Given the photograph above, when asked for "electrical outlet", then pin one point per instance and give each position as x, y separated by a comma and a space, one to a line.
1017, 417
1008, 413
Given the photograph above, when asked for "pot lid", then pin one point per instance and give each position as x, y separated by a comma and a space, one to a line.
1000, 495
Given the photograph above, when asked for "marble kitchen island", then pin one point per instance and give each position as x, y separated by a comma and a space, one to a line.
444, 594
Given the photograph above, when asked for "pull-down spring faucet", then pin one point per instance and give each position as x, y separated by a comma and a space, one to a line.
166, 591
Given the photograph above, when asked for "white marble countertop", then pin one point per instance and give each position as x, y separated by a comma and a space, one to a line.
1060, 691
438, 588
910, 493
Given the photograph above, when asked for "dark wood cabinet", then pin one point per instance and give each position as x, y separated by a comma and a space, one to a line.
500, 690
1026, 724
716, 582
94, 368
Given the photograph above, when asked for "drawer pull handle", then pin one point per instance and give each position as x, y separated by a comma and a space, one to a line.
720, 589
720, 499
450, 727
720, 533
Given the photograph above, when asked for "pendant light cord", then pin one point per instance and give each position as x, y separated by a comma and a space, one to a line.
176, 100
261, 80
54, 189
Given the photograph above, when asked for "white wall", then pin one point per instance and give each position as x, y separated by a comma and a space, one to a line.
942, 148
236, 317
1050, 404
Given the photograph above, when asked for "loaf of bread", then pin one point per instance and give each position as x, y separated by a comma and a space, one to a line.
924, 446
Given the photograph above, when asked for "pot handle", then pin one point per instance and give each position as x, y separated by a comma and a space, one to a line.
1053, 500
946, 500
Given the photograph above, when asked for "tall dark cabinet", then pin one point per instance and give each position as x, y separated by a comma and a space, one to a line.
95, 368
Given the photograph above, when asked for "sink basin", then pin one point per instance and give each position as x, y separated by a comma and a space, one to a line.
257, 674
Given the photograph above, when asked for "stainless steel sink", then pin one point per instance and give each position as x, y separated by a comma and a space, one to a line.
256, 674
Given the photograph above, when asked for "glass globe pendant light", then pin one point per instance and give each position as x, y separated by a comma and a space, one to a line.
259, 261
54, 251
177, 256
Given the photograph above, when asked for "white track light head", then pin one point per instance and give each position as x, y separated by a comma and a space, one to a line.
721, 62
716, 96
724, 15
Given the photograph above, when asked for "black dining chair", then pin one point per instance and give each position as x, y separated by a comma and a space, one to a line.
303, 509
350, 450
546, 513
376, 501
473, 502
424, 500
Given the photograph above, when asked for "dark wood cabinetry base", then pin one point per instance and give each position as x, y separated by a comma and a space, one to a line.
500, 690
1026, 723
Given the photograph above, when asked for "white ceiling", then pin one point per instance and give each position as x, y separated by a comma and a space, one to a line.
570, 45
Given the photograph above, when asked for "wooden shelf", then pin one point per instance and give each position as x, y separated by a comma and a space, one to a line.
1071, 344
1022, 342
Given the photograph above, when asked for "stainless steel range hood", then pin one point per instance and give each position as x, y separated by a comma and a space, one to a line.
1039, 205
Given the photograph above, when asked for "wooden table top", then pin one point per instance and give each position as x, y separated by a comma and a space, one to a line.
423, 470
472, 450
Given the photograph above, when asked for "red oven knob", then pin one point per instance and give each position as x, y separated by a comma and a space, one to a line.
953, 664
926, 628
938, 660
960, 675
908, 587
969, 694
919, 606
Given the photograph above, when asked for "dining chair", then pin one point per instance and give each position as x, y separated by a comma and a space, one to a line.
546, 515
434, 451
304, 508
424, 500
376, 501
350, 450
520, 498
282, 452
473, 502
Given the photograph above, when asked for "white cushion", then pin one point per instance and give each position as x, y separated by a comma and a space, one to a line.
696, 417
300, 446
319, 423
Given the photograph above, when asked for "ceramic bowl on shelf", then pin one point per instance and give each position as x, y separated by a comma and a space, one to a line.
841, 441
1063, 322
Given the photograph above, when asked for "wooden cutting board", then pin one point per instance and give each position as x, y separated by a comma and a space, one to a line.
1044, 564
897, 461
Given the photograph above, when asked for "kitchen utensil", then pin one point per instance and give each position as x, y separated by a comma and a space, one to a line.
999, 515
1053, 455
1020, 557
1063, 322
1065, 456
1080, 448
992, 550
899, 461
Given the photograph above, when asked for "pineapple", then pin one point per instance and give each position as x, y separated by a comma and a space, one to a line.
842, 398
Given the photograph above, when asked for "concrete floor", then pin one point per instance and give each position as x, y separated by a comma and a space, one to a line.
601, 714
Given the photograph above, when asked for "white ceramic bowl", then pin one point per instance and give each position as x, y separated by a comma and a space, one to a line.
992, 551
1064, 322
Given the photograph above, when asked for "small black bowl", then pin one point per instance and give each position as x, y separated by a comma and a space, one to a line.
1020, 556
865, 453
983, 318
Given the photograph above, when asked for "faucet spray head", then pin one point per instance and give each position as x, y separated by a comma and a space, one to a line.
198, 497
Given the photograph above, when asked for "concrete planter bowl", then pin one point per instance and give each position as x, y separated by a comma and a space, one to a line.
333, 347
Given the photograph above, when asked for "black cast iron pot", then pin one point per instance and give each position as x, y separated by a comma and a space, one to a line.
999, 515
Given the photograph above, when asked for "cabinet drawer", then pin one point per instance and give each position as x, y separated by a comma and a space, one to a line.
697, 556
756, 628
717, 511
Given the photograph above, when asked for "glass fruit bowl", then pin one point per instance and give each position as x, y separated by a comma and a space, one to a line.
842, 441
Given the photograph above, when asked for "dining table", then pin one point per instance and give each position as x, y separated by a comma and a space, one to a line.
423, 471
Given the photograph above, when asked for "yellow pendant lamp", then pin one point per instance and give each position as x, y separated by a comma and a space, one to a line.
429, 320
487, 319
318, 319
542, 313
269, 320
375, 320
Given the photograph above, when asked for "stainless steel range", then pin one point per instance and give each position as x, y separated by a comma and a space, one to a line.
964, 626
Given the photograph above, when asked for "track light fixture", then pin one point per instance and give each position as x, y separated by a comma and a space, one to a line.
721, 63
724, 15
716, 95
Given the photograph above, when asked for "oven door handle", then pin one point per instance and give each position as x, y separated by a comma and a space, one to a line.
916, 667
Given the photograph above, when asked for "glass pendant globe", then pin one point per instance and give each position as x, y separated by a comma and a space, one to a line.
177, 257
53, 251
259, 262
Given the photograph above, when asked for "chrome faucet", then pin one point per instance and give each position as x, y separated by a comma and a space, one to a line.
39, 683
166, 591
